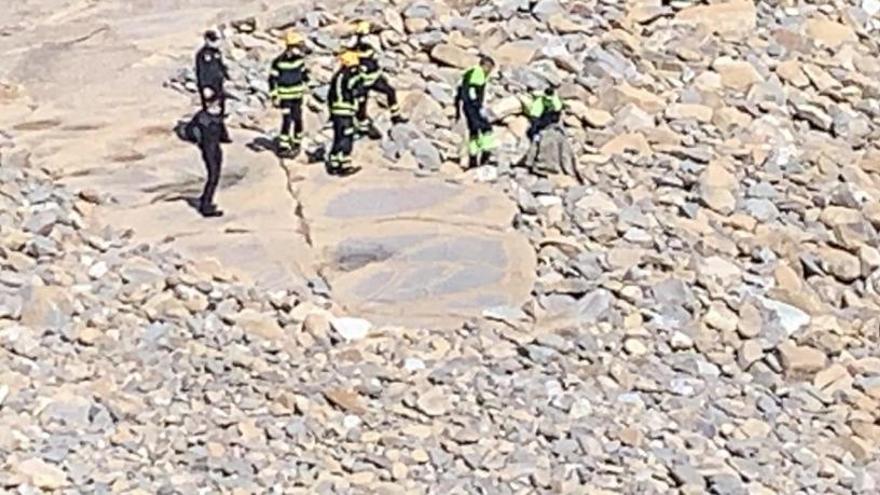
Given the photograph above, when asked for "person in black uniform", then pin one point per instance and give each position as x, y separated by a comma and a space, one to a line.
211, 72
288, 81
208, 130
346, 87
374, 80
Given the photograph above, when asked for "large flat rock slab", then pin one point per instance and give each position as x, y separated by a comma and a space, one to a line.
260, 237
402, 249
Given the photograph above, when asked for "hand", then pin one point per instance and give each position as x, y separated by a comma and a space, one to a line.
276, 102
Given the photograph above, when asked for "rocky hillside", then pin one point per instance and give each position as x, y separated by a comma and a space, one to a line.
704, 318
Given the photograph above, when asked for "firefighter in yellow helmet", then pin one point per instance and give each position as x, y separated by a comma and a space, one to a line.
288, 82
374, 80
346, 87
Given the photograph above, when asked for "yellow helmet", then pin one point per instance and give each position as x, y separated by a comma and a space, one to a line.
349, 59
292, 38
363, 27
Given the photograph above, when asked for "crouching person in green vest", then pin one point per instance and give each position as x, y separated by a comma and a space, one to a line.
549, 149
544, 110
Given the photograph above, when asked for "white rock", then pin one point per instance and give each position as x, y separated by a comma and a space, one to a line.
413, 364
486, 173
791, 318
351, 421
581, 408
681, 341
98, 270
351, 329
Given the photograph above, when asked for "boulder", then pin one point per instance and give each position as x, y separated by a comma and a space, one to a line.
826, 32
453, 56
46, 307
259, 324
734, 17
801, 360
738, 75
552, 153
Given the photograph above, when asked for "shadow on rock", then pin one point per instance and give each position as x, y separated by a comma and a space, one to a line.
261, 143
316, 155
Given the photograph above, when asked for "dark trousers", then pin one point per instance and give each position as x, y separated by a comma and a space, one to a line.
292, 117
343, 140
383, 87
213, 157
480, 139
539, 124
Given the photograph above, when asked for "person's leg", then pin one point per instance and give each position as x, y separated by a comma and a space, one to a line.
485, 142
297, 117
361, 116
382, 86
473, 140
284, 141
333, 160
347, 145
213, 160
218, 90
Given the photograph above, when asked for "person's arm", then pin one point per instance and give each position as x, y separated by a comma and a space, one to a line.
199, 69
223, 67
356, 86
274, 72
480, 94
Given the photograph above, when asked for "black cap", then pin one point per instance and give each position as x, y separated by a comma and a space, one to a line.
211, 35
487, 60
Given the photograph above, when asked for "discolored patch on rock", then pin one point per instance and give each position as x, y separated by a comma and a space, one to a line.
403, 249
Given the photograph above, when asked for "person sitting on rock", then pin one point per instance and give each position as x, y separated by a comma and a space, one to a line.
543, 111
346, 87
374, 80
288, 81
208, 130
469, 99
550, 151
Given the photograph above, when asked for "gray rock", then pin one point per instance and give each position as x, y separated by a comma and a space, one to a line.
552, 153
42, 222
726, 484
762, 209
426, 154
545, 9
594, 306
685, 475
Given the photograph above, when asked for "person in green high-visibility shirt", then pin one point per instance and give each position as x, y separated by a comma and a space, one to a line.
469, 99
543, 111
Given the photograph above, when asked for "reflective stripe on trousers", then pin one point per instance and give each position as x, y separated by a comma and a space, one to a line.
483, 141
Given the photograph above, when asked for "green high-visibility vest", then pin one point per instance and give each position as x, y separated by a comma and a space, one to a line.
542, 103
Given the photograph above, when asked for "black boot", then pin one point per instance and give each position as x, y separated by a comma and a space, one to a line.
486, 158
372, 132
398, 119
473, 161
210, 211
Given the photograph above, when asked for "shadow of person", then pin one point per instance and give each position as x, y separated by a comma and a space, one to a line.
261, 143
193, 202
317, 154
